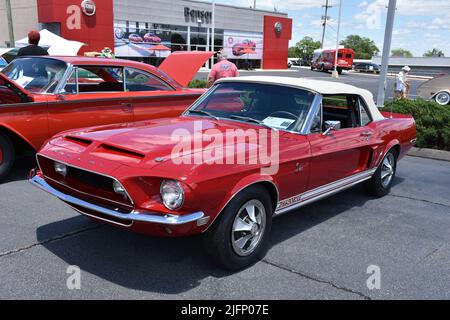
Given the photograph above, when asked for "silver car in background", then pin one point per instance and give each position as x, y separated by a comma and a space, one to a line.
437, 89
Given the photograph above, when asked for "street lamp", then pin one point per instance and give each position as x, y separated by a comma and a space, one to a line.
199, 21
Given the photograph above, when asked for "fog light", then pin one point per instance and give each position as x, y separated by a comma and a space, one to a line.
60, 168
119, 189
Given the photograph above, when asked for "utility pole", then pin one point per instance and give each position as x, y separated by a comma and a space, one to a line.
213, 26
325, 19
254, 4
386, 50
10, 23
335, 73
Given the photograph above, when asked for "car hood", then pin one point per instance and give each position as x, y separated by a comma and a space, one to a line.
150, 143
182, 66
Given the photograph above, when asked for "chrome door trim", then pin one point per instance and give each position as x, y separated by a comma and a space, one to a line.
316, 194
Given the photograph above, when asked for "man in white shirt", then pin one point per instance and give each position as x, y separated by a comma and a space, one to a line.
402, 84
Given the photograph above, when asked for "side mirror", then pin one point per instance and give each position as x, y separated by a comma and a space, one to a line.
331, 125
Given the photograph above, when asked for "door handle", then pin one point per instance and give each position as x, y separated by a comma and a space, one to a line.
127, 107
366, 134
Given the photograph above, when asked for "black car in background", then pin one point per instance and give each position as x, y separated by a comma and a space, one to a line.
367, 67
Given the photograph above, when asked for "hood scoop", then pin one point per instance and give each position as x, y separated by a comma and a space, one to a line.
80, 141
119, 154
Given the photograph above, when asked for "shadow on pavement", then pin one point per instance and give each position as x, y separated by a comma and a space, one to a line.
22, 167
170, 265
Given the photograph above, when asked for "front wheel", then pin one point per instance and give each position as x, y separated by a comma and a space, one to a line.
6, 155
442, 98
240, 235
381, 182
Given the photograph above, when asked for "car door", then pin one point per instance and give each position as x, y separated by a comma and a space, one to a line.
344, 152
151, 97
92, 96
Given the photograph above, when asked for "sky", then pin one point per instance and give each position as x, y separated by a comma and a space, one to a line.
419, 26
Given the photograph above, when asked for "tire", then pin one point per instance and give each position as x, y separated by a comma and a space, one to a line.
381, 182
339, 71
442, 98
7, 156
223, 245
312, 68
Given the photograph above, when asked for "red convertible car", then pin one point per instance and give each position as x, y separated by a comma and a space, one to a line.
185, 175
41, 96
239, 49
150, 37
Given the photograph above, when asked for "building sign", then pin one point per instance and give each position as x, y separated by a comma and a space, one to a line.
243, 45
88, 7
194, 15
278, 28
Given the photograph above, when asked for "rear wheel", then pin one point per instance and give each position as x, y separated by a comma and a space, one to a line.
339, 71
240, 235
6, 155
381, 182
442, 98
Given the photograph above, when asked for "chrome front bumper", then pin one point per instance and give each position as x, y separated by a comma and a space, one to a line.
132, 216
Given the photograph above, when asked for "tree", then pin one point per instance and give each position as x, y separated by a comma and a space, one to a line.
399, 52
304, 48
364, 48
293, 52
434, 53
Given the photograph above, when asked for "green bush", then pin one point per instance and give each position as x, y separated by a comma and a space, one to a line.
432, 120
198, 84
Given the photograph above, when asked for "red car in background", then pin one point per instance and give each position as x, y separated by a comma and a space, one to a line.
324, 60
320, 137
135, 38
41, 96
238, 48
150, 37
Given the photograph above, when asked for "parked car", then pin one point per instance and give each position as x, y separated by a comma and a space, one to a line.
330, 136
437, 89
238, 48
41, 96
367, 67
3, 63
135, 38
325, 59
289, 64
150, 37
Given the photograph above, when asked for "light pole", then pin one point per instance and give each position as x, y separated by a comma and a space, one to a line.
199, 21
213, 25
386, 50
325, 22
10, 23
335, 73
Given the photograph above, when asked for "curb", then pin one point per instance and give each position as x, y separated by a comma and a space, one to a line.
430, 154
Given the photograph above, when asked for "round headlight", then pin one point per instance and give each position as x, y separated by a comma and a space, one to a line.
172, 194
118, 188
60, 168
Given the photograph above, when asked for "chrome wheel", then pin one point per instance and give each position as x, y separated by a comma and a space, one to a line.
387, 169
248, 227
443, 98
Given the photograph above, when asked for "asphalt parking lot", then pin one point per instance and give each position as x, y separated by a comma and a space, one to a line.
319, 252
363, 80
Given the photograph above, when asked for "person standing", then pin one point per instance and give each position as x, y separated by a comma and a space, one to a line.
33, 49
402, 84
222, 69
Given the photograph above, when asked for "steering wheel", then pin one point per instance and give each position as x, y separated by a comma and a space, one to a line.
294, 117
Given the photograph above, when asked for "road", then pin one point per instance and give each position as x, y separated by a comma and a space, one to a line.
322, 251
362, 80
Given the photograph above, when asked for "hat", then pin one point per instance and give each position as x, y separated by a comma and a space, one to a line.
406, 68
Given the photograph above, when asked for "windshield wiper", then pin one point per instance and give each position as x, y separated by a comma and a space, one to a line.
248, 119
206, 113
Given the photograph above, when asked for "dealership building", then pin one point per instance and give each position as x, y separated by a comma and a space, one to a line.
145, 29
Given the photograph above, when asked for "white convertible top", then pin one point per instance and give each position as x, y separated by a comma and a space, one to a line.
319, 86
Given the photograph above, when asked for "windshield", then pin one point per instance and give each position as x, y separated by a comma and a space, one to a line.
274, 106
36, 75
